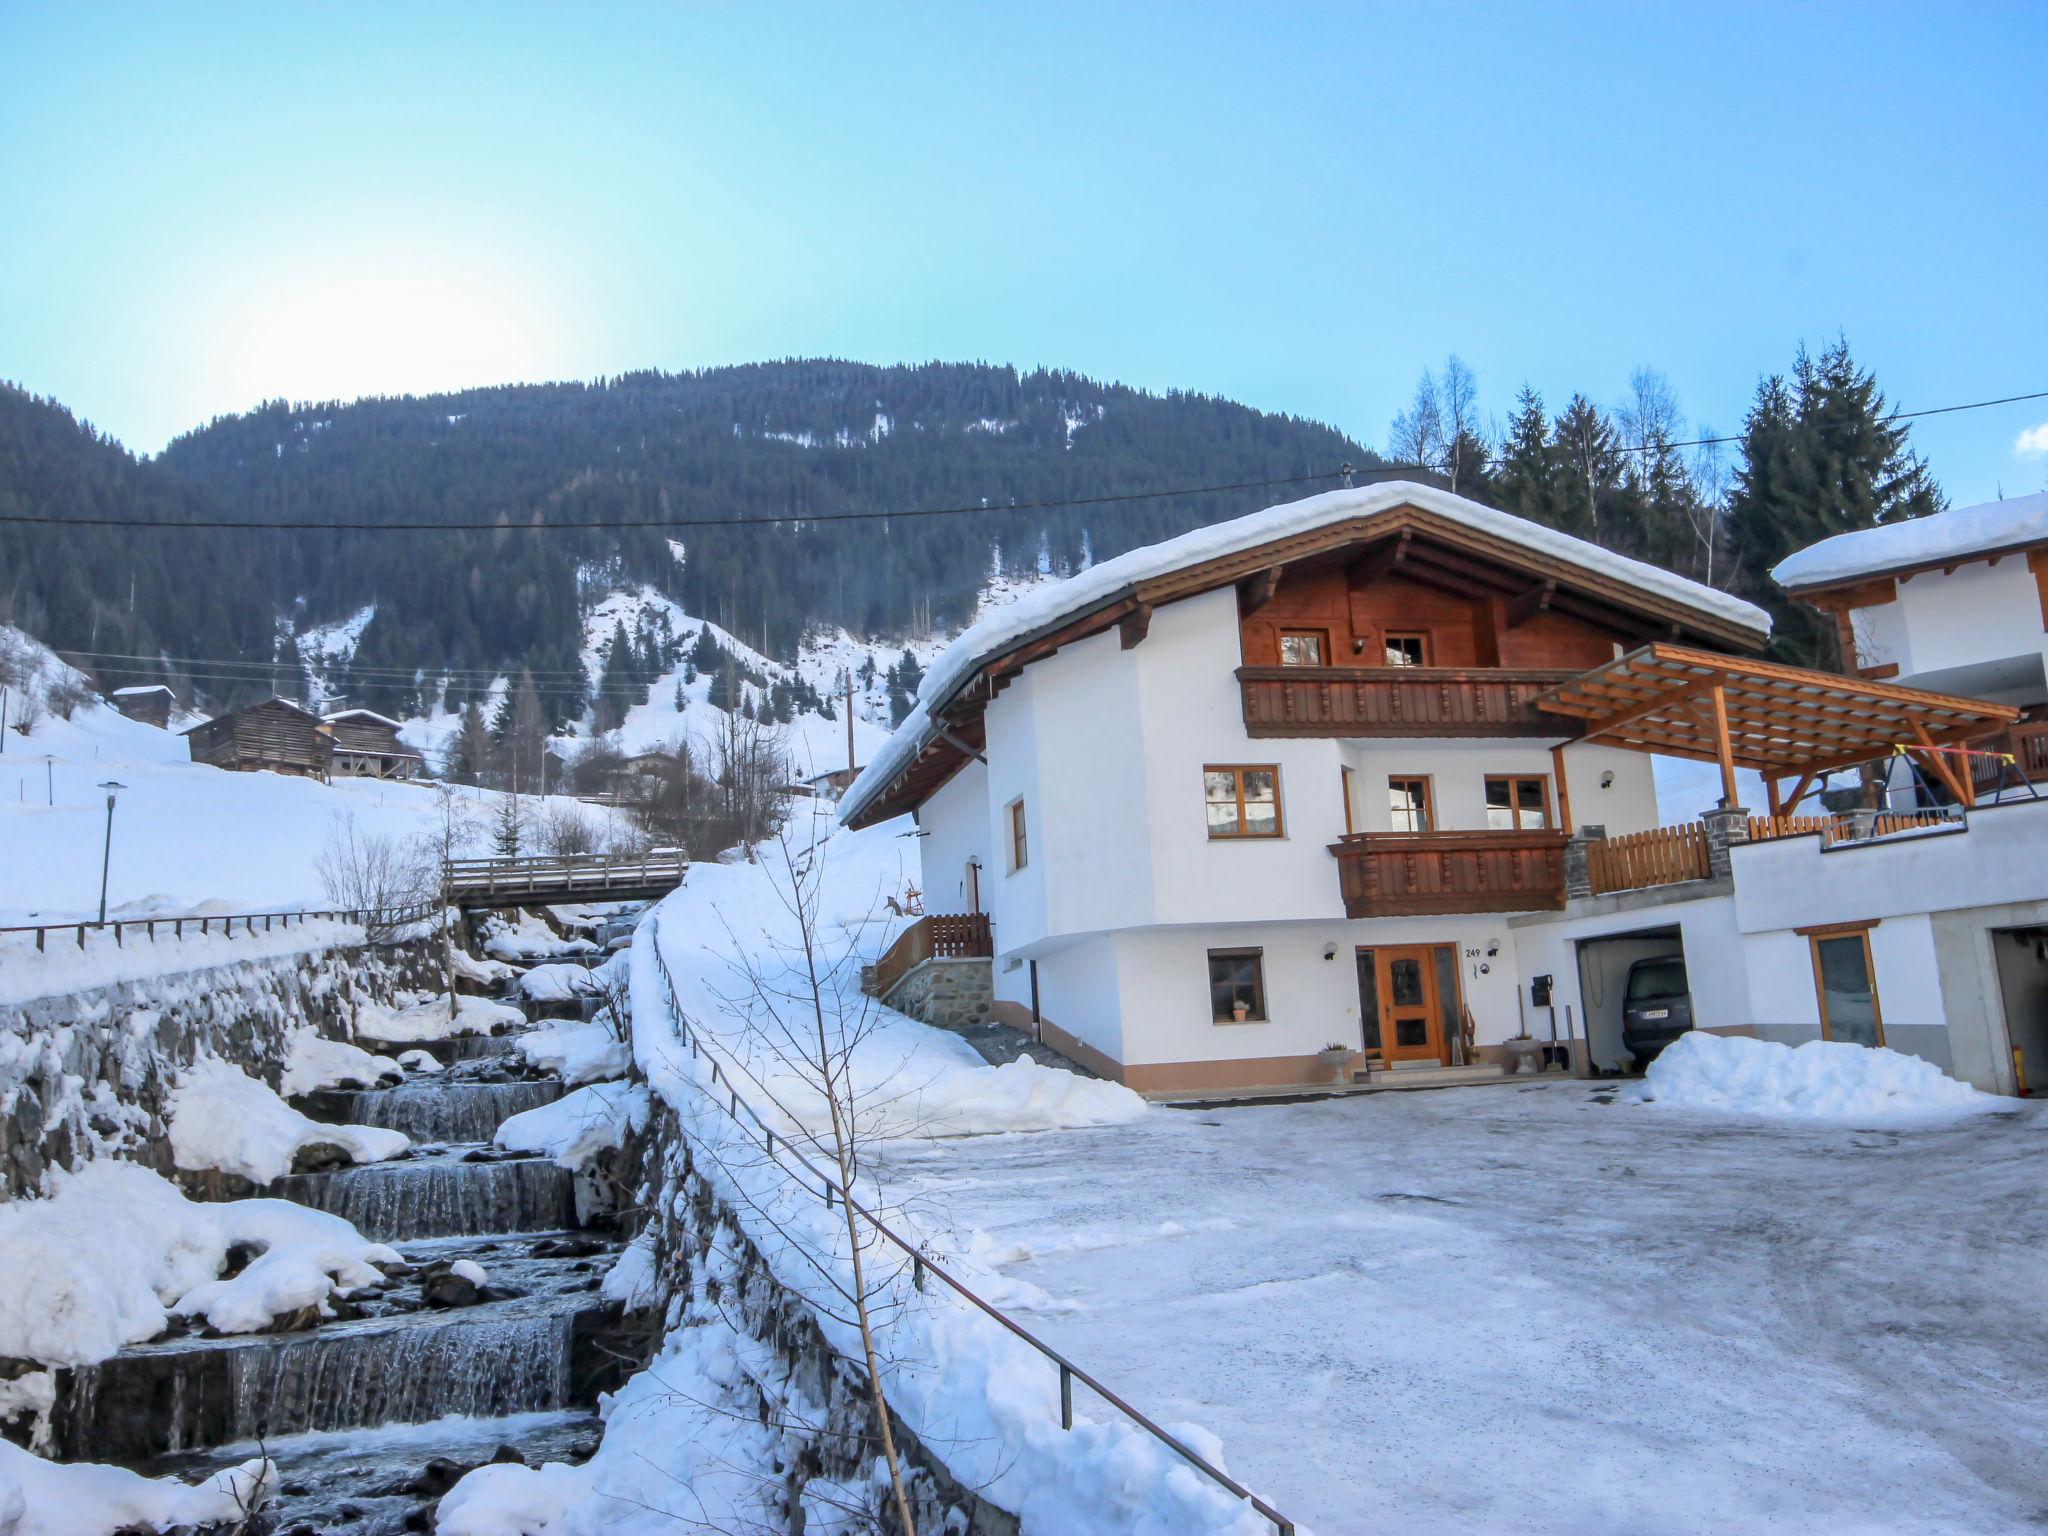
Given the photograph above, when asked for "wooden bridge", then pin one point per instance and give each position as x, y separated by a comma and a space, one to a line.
474, 884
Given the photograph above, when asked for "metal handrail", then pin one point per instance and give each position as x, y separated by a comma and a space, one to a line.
921, 1265
225, 925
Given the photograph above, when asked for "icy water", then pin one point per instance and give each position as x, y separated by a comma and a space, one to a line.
354, 1410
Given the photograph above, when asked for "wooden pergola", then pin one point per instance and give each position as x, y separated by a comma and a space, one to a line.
1783, 722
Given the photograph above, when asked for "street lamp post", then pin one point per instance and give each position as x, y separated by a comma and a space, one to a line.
107, 850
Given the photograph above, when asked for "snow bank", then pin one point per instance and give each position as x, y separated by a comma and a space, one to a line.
576, 1053
428, 1019
481, 973
224, 1119
316, 1062
526, 937
1822, 1080
560, 982
47, 1498
1980, 530
116, 1250
61, 967
1099, 583
579, 1125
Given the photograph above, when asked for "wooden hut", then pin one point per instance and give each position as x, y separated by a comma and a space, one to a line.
151, 704
275, 736
366, 745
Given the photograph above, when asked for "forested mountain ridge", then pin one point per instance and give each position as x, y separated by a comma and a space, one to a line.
800, 438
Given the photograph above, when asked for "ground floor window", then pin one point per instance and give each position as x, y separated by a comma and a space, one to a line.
1846, 981
1237, 986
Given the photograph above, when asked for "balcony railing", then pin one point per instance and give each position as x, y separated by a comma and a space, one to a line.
1639, 860
1416, 874
940, 935
2026, 742
1399, 701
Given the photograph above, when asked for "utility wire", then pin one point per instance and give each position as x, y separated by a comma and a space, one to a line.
1114, 499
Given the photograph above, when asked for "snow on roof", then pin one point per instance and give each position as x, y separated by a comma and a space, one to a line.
1959, 535
362, 714
130, 693
1045, 605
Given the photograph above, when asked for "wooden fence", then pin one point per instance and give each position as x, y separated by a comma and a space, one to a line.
939, 935
1857, 826
152, 928
1661, 856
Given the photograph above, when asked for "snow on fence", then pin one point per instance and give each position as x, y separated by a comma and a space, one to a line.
808, 1176
1661, 856
224, 926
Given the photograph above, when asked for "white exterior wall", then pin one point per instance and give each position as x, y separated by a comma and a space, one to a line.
1458, 769
1959, 621
954, 826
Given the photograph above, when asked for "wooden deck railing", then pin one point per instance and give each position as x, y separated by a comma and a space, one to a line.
937, 935
563, 877
1399, 701
2026, 743
1639, 860
1412, 874
1854, 827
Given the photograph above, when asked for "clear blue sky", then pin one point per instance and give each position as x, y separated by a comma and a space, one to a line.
1297, 206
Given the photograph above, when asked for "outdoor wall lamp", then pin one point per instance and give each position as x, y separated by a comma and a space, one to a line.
1607, 779
1329, 951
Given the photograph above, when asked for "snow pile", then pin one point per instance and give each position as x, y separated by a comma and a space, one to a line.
427, 1018
47, 1498
526, 937
1042, 607
224, 1119
1822, 1080
576, 1053
559, 982
316, 1062
579, 1125
480, 973
116, 1250
1946, 536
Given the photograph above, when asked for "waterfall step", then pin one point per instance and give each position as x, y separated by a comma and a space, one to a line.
545, 1350
447, 1051
379, 1482
441, 1192
430, 1110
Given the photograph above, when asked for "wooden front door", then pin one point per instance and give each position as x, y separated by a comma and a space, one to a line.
1411, 1015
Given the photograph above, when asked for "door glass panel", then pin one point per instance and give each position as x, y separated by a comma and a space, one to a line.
1846, 991
1446, 957
1411, 1030
1369, 999
1404, 983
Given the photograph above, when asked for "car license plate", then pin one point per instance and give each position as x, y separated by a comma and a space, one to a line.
1656, 1013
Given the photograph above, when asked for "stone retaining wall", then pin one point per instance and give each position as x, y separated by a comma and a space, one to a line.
950, 993
87, 1074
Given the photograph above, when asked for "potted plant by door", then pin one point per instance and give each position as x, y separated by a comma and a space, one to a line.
1338, 1059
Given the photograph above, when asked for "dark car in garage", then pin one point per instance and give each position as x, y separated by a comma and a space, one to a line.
1656, 1006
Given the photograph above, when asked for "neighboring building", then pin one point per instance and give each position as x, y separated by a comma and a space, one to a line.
275, 736
151, 705
832, 783
366, 745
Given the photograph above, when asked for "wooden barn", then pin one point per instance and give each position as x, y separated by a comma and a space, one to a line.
151, 704
366, 745
275, 736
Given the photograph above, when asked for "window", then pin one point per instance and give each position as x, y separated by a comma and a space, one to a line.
1406, 650
1237, 986
1242, 802
1846, 982
1408, 803
1020, 844
1518, 804
1302, 648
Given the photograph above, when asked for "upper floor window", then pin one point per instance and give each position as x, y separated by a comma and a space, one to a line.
1020, 842
1408, 801
1516, 803
1406, 650
1303, 648
1242, 802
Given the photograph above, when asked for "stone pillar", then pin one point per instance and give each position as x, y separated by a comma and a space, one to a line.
1726, 826
1578, 867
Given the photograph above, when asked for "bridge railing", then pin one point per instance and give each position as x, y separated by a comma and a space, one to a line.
580, 873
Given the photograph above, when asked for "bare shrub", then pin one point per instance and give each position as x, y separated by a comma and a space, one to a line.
565, 829
68, 695
375, 873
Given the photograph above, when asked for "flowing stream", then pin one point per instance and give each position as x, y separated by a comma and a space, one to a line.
352, 1410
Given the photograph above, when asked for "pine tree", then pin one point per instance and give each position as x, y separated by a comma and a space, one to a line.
1525, 479
618, 685
469, 757
508, 828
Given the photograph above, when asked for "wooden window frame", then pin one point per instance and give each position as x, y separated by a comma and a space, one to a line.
1515, 802
1389, 636
1815, 937
1428, 801
1303, 632
1238, 771
1020, 836
1257, 1013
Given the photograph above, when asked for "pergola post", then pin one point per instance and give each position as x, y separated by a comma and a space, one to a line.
1564, 795
1723, 751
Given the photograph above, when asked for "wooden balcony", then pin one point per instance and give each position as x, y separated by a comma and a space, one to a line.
938, 935
2026, 742
1400, 701
1415, 874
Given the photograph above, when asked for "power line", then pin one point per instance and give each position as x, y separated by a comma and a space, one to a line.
983, 506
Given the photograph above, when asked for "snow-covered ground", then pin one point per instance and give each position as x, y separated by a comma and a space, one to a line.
1530, 1309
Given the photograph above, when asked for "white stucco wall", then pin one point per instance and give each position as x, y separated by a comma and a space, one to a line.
954, 826
1975, 613
1458, 770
